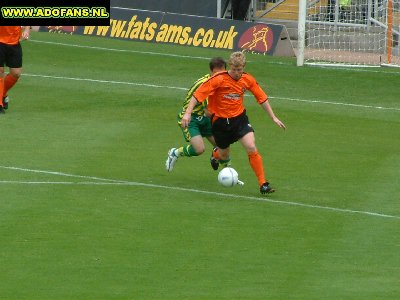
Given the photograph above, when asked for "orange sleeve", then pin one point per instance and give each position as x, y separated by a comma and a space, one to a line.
206, 89
257, 91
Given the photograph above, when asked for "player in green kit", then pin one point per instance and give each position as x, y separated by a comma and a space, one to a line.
200, 124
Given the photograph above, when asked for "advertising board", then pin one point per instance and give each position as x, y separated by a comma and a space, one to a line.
184, 30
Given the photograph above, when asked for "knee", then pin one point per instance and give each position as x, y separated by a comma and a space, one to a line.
251, 149
199, 150
16, 73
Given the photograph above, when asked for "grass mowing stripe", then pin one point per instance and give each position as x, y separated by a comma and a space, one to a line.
107, 181
106, 81
122, 50
184, 89
368, 70
137, 51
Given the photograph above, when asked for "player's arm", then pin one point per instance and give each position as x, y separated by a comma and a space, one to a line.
201, 94
26, 32
262, 98
188, 113
267, 107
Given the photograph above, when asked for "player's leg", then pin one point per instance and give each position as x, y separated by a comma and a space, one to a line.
1, 93
192, 135
211, 140
255, 159
223, 139
14, 62
206, 130
2, 62
214, 158
256, 163
207, 133
245, 133
223, 155
11, 79
195, 148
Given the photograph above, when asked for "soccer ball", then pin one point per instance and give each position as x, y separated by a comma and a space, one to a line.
228, 177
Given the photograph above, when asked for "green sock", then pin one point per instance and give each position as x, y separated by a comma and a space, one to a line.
187, 151
225, 163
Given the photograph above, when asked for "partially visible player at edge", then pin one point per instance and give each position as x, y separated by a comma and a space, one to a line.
11, 56
199, 125
230, 123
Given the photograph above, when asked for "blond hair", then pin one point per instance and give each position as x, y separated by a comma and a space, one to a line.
237, 59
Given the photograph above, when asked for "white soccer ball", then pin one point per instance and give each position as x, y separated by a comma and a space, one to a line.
228, 177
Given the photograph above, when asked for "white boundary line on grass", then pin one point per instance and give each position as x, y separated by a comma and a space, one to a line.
106, 181
121, 50
107, 81
185, 89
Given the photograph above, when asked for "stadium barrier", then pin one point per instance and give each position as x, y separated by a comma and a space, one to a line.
186, 30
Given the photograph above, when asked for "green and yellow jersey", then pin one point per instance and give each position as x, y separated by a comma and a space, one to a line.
198, 110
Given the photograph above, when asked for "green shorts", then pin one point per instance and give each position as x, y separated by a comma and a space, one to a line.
199, 125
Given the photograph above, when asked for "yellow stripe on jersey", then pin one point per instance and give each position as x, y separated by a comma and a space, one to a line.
199, 108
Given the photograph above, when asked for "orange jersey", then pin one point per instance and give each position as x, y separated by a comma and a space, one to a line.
225, 94
10, 35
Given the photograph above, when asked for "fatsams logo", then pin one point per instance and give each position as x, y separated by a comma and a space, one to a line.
259, 38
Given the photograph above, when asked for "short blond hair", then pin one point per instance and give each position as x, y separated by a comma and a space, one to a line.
237, 59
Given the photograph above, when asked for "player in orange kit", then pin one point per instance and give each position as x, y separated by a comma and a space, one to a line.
11, 56
230, 123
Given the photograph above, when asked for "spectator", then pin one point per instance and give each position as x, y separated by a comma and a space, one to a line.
240, 9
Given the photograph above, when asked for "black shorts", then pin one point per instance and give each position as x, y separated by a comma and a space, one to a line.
229, 131
11, 55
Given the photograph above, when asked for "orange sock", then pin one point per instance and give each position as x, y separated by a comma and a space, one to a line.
9, 82
215, 154
256, 163
1, 90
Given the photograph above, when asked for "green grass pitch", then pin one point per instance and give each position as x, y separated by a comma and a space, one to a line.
88, 211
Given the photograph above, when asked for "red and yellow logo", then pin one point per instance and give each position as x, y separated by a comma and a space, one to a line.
259, 38
62, 29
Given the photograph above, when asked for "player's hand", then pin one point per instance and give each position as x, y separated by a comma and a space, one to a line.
279, 123
207, 113
25, 34
185, 120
